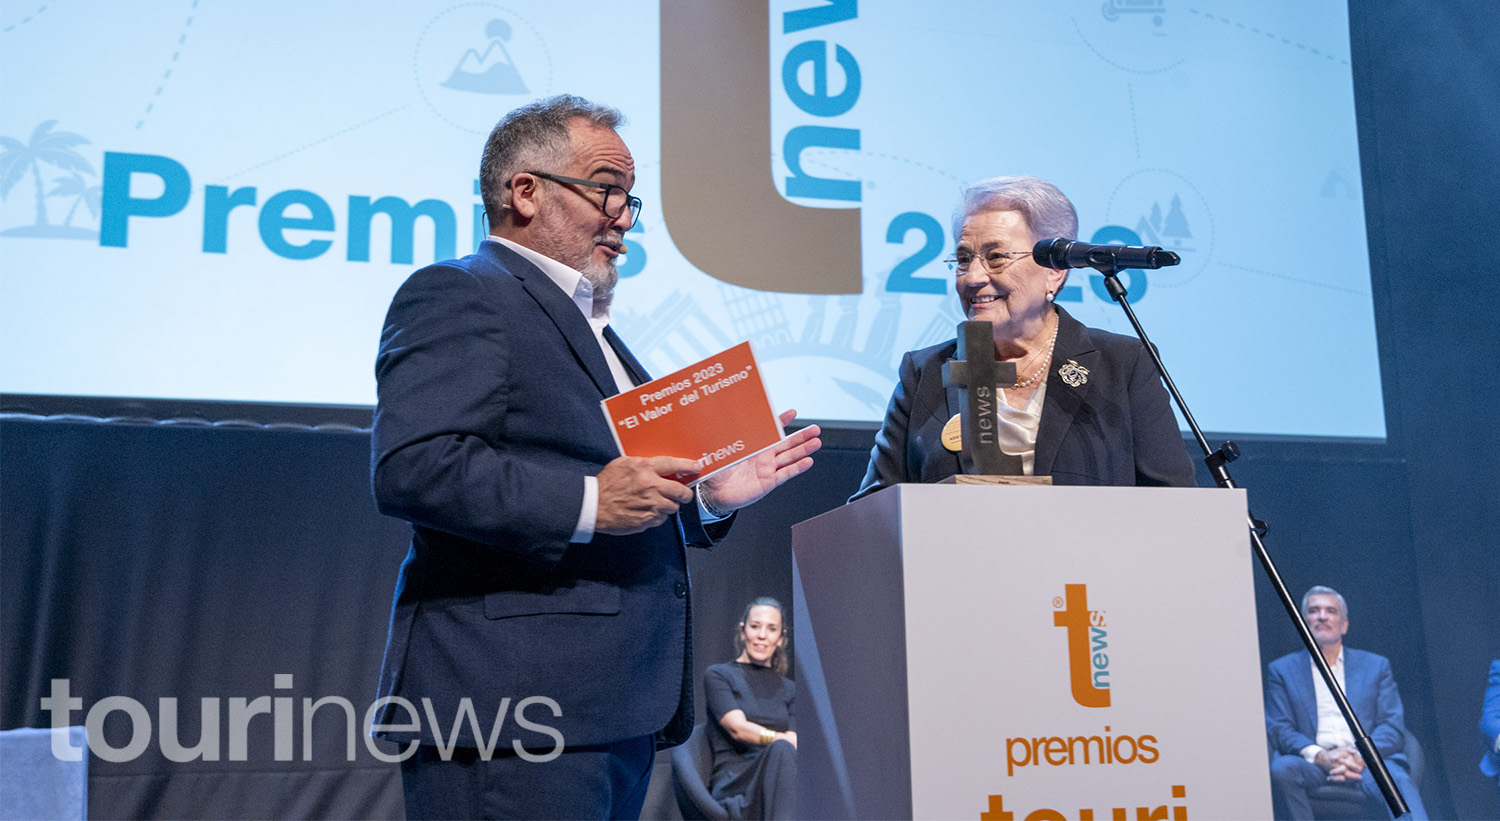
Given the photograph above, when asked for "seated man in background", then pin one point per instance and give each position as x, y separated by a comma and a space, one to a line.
1311, 744
1489, 724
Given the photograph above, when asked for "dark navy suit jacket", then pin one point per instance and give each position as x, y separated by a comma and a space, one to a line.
490, 380
1114, 429
1292, 706
1489, 722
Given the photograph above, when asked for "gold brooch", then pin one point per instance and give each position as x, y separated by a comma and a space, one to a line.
953, 435
1073, 374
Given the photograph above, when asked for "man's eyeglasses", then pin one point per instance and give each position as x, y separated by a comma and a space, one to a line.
616, 199
990, 260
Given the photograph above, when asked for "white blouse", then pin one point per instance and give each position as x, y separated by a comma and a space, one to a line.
1018, 426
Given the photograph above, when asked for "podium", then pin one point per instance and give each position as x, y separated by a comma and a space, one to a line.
1014, 652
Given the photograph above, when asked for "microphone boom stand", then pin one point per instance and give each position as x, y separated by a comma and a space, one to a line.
1217, 461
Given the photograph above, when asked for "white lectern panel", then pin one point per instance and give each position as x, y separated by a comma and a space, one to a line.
1078, 650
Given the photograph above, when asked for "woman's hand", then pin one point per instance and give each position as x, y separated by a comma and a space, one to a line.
746, 731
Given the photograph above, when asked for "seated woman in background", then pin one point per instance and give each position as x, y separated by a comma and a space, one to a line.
750, 710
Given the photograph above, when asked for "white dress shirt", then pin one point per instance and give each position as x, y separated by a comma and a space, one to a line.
1333, 730
581, 291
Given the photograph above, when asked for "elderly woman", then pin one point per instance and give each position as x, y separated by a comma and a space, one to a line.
750, 704
1087, 406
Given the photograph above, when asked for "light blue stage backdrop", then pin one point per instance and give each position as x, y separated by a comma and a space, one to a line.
231, 253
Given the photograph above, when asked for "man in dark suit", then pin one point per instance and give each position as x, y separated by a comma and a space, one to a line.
1489, 725
539, 647
1311, 743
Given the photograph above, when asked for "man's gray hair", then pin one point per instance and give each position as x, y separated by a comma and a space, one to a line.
1047, 211
1320, 590
534, 137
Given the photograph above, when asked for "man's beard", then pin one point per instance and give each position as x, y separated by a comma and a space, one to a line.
602, 275
554, 242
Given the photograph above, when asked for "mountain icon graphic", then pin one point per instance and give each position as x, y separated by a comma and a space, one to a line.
492, 72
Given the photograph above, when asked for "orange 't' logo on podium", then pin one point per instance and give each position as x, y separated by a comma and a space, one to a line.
1088, 663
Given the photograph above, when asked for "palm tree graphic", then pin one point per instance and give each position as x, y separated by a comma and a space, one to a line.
53, 148
74, 185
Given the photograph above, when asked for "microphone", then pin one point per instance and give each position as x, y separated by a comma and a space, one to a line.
1066, 253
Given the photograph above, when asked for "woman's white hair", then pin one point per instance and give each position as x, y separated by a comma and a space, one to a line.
1047, 211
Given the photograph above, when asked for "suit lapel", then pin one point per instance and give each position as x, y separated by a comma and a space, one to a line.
1304, 697
1063, 402
1356, 673
935, 402
953, 407
560, 308
632, 365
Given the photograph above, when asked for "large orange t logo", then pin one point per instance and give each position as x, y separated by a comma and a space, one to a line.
1075, 617
716, 160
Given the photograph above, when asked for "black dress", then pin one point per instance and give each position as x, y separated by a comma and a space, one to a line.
751, 780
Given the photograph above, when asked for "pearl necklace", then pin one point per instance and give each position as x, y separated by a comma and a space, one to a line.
1040, 369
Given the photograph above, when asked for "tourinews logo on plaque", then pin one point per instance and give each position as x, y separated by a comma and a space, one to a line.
1088, 645
1034, 795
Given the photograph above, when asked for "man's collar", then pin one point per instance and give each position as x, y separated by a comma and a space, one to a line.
1337, 660
572, 282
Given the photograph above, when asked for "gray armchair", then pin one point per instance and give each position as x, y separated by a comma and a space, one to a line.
692, 766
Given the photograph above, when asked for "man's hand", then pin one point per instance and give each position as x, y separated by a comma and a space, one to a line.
637, 494
1324, 759
748, 481
1342, 764
1352, 762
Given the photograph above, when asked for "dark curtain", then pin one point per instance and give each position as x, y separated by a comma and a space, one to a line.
1425, 80
189, 561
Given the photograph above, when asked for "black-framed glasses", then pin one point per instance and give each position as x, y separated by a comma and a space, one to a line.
616, 199
991, 260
